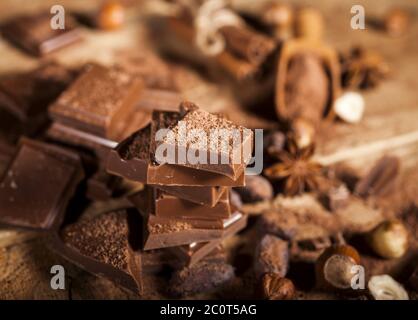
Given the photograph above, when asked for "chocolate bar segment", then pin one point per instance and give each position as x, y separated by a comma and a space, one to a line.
37, 185
97, 101
101, 186
132, 160
34, 34
167, 206
192, 253
76, 137
201, 195
204, 141
107, 245
163, 232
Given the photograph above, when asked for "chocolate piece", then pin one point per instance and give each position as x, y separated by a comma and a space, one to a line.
163, 232
132, 160
33, 33
200, 195
6, 151
38, 184
202, 277
192, 253
27, 95
107, 245
75, 137
165, 205
211, 142
101, 186
272, 255
97, 101
170, 206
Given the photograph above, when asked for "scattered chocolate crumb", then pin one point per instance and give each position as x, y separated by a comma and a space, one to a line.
202, 277
272, 256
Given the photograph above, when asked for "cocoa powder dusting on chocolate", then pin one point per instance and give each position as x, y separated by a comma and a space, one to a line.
175, 226
103, 238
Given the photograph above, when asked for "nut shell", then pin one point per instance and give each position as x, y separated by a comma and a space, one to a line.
274, 287
333, 267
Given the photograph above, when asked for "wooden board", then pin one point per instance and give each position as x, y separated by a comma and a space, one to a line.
389, 125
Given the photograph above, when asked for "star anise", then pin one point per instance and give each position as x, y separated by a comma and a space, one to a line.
297, 169
362, 69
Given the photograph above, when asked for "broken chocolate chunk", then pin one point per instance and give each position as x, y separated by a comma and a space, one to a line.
37, 185
202, 277
272, 256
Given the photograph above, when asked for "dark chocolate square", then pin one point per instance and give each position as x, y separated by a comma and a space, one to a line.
37, 185
33, 33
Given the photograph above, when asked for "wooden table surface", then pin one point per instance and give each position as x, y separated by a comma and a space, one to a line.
390, 125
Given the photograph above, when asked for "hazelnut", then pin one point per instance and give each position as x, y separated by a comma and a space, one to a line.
350, 107
396, 22
257, 188
111, 15
384, 287
334, 267
303, 132
389, 239
309, 24
274, 287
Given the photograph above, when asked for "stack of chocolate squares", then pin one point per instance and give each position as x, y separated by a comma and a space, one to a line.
185, 204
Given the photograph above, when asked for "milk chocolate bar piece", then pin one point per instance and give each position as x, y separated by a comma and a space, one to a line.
215, 143
26, 95
189, 255
194, 252
132, 159
101, 186
98, 100
170, 206
33, 33
107, 245
75, 137
37, 185
163, 232
164, 205
201, 195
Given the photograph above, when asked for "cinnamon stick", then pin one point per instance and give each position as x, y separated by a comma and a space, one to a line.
238, 68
